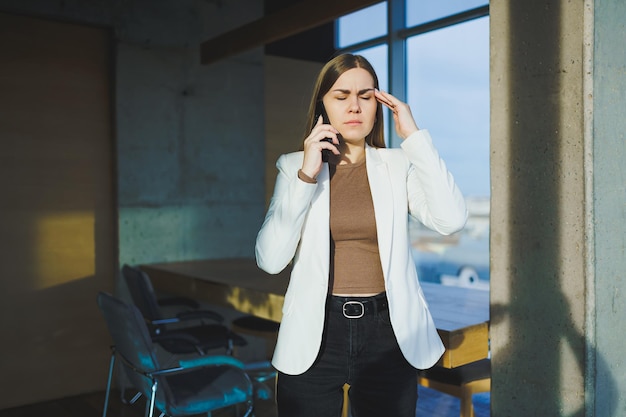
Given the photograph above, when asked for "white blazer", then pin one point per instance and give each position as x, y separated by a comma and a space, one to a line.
412, 180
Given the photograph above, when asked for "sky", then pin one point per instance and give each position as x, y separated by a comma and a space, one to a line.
447, 87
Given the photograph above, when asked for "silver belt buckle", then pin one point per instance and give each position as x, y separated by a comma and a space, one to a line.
356, 316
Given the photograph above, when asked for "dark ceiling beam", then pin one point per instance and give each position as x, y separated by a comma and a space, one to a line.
281, 24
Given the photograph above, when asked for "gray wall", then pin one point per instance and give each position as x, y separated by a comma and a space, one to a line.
607, 226
189, 150
557, 209
189, 138
190, 155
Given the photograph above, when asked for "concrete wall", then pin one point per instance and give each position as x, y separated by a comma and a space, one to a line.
57, 215
190, 137
557, 218
537, 233
607, 226
189, 145
177, 200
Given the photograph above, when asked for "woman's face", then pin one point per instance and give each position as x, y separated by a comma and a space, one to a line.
351, 105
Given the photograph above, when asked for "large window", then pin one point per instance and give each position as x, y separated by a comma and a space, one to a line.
444, 77
424, 11
448, 91
361, 26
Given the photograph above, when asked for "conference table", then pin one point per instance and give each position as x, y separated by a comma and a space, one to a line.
461, 315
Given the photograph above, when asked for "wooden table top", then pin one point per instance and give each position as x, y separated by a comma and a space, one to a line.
460, 314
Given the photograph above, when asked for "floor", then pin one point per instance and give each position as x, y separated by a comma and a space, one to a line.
431, 403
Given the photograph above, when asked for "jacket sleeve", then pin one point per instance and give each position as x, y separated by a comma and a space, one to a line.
434, 198
280, 233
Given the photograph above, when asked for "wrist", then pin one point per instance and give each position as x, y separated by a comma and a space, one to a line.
410, 132
306, 178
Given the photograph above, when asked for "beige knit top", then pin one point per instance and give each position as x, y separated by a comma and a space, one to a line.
355, 261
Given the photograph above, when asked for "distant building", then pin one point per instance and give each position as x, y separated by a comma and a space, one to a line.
460, 259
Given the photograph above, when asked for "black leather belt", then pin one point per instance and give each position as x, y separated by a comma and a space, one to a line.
357, 307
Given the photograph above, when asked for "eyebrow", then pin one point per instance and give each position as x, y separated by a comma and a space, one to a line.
365, 90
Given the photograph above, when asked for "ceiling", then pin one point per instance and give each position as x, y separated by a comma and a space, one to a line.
300, 29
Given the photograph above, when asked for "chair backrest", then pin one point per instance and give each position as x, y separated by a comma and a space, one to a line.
142, 292
128, 330
130, 336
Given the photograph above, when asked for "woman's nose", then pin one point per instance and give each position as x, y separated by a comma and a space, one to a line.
354, 105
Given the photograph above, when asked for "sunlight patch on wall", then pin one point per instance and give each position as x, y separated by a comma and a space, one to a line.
64, 248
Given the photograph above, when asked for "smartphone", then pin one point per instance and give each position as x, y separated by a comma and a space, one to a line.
321, 111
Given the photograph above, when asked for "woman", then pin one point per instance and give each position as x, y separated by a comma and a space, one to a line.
354, 311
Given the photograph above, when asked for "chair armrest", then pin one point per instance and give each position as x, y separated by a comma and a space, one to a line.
176, 336
187, 316
199, 362
213, 360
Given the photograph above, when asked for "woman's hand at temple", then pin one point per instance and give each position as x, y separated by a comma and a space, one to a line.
402, 116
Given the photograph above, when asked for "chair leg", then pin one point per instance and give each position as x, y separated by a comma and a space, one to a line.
135, 398
123, 389
250, 409
150, 404
108, 391
467, 407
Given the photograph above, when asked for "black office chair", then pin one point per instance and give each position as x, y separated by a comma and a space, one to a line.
189, 331
191, 387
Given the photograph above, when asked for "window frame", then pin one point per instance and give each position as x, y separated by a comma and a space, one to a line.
396, 40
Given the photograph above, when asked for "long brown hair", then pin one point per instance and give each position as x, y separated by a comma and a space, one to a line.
327, 78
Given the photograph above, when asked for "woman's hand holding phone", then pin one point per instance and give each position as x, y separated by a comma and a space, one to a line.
322, 137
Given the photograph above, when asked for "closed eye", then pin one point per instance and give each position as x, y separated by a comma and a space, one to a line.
366, 97
342, 94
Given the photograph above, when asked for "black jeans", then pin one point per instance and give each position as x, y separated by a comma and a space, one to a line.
362, 352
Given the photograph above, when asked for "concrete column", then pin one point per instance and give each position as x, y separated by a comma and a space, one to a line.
607, 225
548, 300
